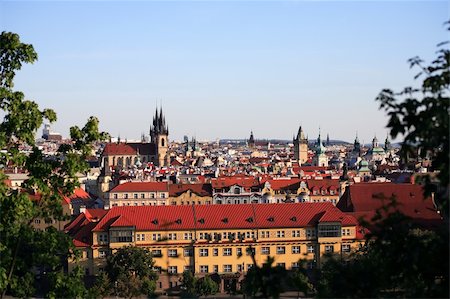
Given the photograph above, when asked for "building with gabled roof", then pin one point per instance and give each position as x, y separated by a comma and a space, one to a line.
217, 239
137, 194
128, 154
363, 199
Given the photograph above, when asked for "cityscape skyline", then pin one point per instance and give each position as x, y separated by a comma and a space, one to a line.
221, 70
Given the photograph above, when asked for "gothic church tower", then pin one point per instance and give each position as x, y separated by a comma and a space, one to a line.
159, 133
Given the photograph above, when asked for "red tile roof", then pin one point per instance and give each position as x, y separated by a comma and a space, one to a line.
199, 189
209, 217
240, 180
80, 194
80, 229
363, 199
119, 149
141, 187
283, 184
326, 185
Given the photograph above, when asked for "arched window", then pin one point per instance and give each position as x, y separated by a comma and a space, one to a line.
163, 142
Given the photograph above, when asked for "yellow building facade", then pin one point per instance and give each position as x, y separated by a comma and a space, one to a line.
220, 239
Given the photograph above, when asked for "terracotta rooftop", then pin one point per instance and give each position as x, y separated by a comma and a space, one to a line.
362, 199
163, 218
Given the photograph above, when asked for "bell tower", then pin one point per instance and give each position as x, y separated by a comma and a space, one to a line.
300, 147
159, 133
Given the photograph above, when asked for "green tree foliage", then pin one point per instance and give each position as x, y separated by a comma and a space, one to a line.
421, 117
130, 269
398, 260
401, 259
101, 287
206, 286
31, 259
300, 280
265, 280
188, 281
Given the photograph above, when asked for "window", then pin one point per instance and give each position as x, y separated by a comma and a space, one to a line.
295, 249
239, 251
310, 232
122, 236
204, 269
187, 252
215, 251
329, 248
295, 265
281, 250
140, 237
142, 195
157, 269
163, 195
240, 267
264, 234
125, 196
282, 265
188, 236
310, 249
203, 251
346, 232
250, 251
172, 236
172, 253
227, 268
102, 253
103, 238
37, 221
329, 230
249, 266
265, 250
216, 268
280, 234
156, 237
295, 233
187, 269
115, 195
135, 195
227, 251
172, 269
345, 247
156, 253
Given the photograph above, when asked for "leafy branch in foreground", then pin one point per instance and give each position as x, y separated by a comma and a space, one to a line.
28, 255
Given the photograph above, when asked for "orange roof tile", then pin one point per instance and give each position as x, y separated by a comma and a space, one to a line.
208, 217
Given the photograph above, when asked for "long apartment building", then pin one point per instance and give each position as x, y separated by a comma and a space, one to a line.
216, 239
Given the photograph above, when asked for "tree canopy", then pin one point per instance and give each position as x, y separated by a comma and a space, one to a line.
130, 270
32, 260
401, 258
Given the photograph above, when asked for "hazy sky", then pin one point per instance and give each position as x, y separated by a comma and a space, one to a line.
222, 69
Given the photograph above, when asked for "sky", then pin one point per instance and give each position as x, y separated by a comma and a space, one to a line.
222, 69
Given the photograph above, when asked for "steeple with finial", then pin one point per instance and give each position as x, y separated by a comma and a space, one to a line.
158, 126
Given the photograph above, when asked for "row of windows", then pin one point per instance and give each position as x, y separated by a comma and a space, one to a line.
141, 195
50, 221
188, 203
227, 268
324, 231
159, 203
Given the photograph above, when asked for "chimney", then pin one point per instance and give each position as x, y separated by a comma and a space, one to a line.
82, 209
